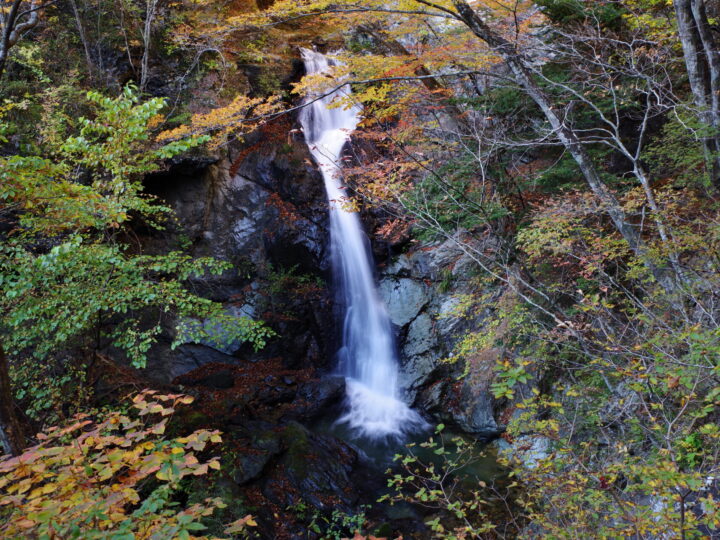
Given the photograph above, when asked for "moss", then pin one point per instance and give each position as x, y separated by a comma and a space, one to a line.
268, 82
299, 449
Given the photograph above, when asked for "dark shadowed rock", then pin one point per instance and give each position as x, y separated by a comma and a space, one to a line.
476, 415
166, 364
416, 372
249, 465
218, 379
323, 392
430, 399
261, 444
313, 469
472, 405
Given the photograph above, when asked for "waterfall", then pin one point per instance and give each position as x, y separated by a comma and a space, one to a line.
367, 358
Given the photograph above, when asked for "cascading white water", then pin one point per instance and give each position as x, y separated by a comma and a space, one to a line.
367, 358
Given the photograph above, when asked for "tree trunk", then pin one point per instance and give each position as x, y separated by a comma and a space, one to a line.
702, 61
147, 35
10, 425
573, 145
12, 26
83, 39
712, 57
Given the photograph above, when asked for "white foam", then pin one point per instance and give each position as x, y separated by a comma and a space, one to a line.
374, 415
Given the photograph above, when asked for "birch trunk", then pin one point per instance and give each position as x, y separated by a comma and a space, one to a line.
151, 7
83, 38
702, 61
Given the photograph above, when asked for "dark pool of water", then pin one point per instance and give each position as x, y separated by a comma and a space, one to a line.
380, 454
377, 461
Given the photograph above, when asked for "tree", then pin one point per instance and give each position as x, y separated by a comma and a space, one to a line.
66, 267
150, 13
524, 76
702, 59
17, 17
83, 37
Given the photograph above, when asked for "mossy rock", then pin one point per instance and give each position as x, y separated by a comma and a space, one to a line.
314, 469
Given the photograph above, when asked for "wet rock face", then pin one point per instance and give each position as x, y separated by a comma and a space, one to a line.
246, 205
422, 290
263, 209
420, 339
404, 298
313, 469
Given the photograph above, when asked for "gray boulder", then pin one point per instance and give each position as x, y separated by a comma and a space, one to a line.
404, 298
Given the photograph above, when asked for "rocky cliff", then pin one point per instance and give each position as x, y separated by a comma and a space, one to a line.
261, 207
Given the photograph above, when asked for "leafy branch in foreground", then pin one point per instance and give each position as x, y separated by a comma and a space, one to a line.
52, 297
115, 477
434, 475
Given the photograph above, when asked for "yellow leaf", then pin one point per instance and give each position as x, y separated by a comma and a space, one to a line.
202, 469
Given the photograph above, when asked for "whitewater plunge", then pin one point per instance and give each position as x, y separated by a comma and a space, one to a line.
367, 358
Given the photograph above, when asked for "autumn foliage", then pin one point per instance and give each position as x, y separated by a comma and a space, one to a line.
113, 475
565, 151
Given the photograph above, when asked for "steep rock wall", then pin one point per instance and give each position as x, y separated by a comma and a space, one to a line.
262, 208
422, 290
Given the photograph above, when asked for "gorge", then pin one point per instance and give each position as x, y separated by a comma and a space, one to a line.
319, 270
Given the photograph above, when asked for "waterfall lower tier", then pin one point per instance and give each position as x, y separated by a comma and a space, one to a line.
367, 358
